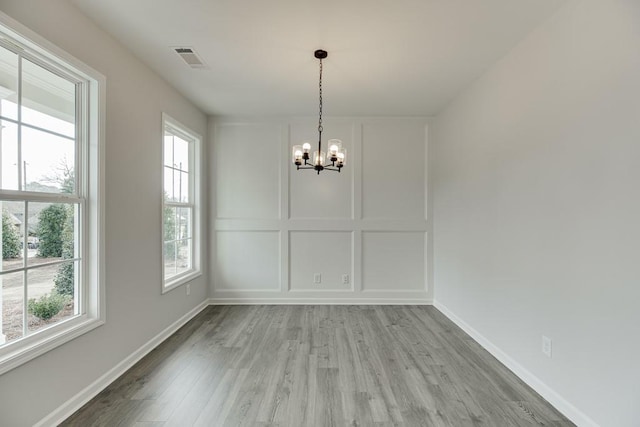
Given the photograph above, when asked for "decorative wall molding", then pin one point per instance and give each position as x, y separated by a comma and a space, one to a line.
385, 178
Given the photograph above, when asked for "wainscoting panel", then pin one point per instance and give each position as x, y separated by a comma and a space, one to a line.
393, 260
320, 252
247, 170
276, 227
393, 170
248, 260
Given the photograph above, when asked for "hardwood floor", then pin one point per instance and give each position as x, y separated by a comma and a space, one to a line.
318, 366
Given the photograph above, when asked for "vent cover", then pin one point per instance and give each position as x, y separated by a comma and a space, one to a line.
189, 56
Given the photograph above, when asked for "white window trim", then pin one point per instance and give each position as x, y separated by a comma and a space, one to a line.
195, 165
92, 150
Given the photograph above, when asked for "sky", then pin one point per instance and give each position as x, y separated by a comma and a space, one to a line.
42, 151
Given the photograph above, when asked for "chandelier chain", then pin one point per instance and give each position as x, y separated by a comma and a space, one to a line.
320, 89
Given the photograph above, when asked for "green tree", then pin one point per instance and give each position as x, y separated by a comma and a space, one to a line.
169, 232
63, 175
63, 281
10, 238
51, 222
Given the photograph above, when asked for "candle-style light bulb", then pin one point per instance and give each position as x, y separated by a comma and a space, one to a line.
296, 155
318, 158
334, 147
342, 157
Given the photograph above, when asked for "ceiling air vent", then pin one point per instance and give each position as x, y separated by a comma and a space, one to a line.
189, 56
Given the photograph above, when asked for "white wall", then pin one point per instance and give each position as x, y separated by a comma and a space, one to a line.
536, 196
275, 226
136, 310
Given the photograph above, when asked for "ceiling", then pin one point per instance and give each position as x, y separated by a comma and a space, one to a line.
386, 58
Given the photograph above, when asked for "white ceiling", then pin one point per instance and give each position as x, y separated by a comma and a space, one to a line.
391, 58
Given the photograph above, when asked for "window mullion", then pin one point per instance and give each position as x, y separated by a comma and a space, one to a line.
25, 236
61, 198
25, 300
178, 205
19, 116
38, 128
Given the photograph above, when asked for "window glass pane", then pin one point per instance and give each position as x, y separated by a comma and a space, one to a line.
51, 232
184, 221
48, 162
170, 259
181, 154
12, 234
12, 305
9, 155
50, 292
177, 186
168, 150
184, 187
168, 184
170, 228
183, 255
8, 84
48, 100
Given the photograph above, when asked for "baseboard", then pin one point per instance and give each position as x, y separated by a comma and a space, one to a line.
76, 402
320, 301
561, 404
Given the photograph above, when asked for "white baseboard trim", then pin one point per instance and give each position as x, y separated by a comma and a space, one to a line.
76, 402
561, 404
320, 301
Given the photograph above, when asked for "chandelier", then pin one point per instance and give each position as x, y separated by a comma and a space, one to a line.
336, 156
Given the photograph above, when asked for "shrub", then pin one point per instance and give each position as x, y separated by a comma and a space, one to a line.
47, 306
169, 232
51, 221
63, 281
10, 238
64, 277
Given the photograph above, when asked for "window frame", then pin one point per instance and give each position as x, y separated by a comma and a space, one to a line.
195, 159
89, 180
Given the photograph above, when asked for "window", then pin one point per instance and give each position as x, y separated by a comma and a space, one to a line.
180, 213
49, 182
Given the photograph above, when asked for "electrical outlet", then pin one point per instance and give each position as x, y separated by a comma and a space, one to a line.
546, 346
188, 289
345, 279
317, 278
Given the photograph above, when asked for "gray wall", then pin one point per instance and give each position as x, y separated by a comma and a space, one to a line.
136, 310
536, 206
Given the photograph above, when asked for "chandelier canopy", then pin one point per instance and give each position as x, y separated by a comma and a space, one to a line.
335, 158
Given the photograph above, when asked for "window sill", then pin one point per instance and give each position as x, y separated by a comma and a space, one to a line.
35, 345
177, 281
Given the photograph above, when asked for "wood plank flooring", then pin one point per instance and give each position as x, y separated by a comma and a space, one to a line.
318, 366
